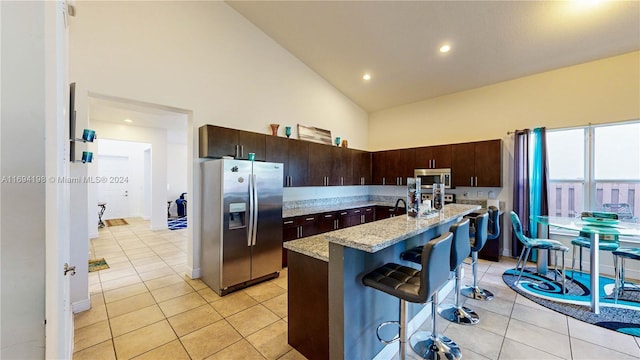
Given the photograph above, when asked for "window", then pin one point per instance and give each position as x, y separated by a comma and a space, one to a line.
592, 166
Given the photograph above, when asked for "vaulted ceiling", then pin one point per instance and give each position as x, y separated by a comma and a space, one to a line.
398, 42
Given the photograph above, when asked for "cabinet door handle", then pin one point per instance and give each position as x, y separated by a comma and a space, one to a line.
341, 181
430, 167
356, 211
241, 150
471, 180
310, 219
434, 163
343, 213
300, 231
368, 210
476, 181
328, 216
288, 222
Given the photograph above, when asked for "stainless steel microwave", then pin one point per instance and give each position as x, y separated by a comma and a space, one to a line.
428, 177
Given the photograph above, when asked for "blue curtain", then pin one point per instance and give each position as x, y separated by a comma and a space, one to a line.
539, 177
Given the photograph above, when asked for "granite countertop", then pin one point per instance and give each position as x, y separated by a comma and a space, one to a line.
376, 235
316, 246
328, 208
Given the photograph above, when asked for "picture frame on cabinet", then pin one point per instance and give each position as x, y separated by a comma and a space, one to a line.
314, 134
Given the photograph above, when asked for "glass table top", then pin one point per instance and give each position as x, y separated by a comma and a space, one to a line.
577, 224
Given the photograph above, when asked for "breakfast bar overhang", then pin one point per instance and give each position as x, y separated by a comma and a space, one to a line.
333, 264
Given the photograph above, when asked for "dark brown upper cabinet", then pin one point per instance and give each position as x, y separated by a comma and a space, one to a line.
392, 167
477, 164
218, 141
361, 165
433, 157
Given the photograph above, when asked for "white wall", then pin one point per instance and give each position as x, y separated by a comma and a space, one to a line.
607, 90
206, 58
177, 168
134, 152
22, 153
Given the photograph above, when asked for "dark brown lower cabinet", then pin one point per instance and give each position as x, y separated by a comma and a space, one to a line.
298, 227
308, 306
385, 212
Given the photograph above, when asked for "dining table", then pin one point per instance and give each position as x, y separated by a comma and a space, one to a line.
629, 231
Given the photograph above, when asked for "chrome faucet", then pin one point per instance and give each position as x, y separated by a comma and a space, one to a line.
398, 202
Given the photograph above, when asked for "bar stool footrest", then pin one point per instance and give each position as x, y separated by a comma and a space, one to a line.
387, 342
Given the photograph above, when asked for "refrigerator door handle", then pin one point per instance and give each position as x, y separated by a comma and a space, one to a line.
251, 215
254, 210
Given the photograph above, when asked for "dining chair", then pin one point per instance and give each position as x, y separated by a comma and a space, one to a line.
622, 254
623, 210
540, 244
607, 242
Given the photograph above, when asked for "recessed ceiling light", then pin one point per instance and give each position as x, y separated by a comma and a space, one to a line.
128, 120
445, 48
366, 76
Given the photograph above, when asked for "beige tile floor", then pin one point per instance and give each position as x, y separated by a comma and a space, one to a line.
143, 307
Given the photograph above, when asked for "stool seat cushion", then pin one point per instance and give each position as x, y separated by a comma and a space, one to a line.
629, 253
410, 284
547, 244
604, 245
400, 281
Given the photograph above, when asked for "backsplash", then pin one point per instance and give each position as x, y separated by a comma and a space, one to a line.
296, 204
480, 202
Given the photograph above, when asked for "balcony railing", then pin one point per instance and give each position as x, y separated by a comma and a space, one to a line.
566, 198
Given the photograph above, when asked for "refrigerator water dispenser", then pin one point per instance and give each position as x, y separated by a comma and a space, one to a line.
237, 212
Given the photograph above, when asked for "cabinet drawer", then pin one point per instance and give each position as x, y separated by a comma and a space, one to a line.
290, 222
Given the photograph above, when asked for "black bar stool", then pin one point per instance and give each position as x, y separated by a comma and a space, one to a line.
480, 238
411, 285
493, 229
460, 249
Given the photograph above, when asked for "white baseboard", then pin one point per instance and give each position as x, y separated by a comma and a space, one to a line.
80, 306
193, 273
389, 351
94, 235
146, 217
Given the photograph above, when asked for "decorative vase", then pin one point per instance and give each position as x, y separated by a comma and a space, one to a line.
287, 131
438, 196
274, 129
337, 140
345, 143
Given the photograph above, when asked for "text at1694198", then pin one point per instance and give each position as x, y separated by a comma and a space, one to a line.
40, 179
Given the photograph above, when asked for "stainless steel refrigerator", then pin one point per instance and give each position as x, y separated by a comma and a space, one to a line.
241, 223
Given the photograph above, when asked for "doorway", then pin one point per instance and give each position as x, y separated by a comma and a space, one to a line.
121, 181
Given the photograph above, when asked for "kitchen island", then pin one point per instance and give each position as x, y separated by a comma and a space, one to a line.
331, 314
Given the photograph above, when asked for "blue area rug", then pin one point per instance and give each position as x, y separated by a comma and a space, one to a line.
178, 223
623, 316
